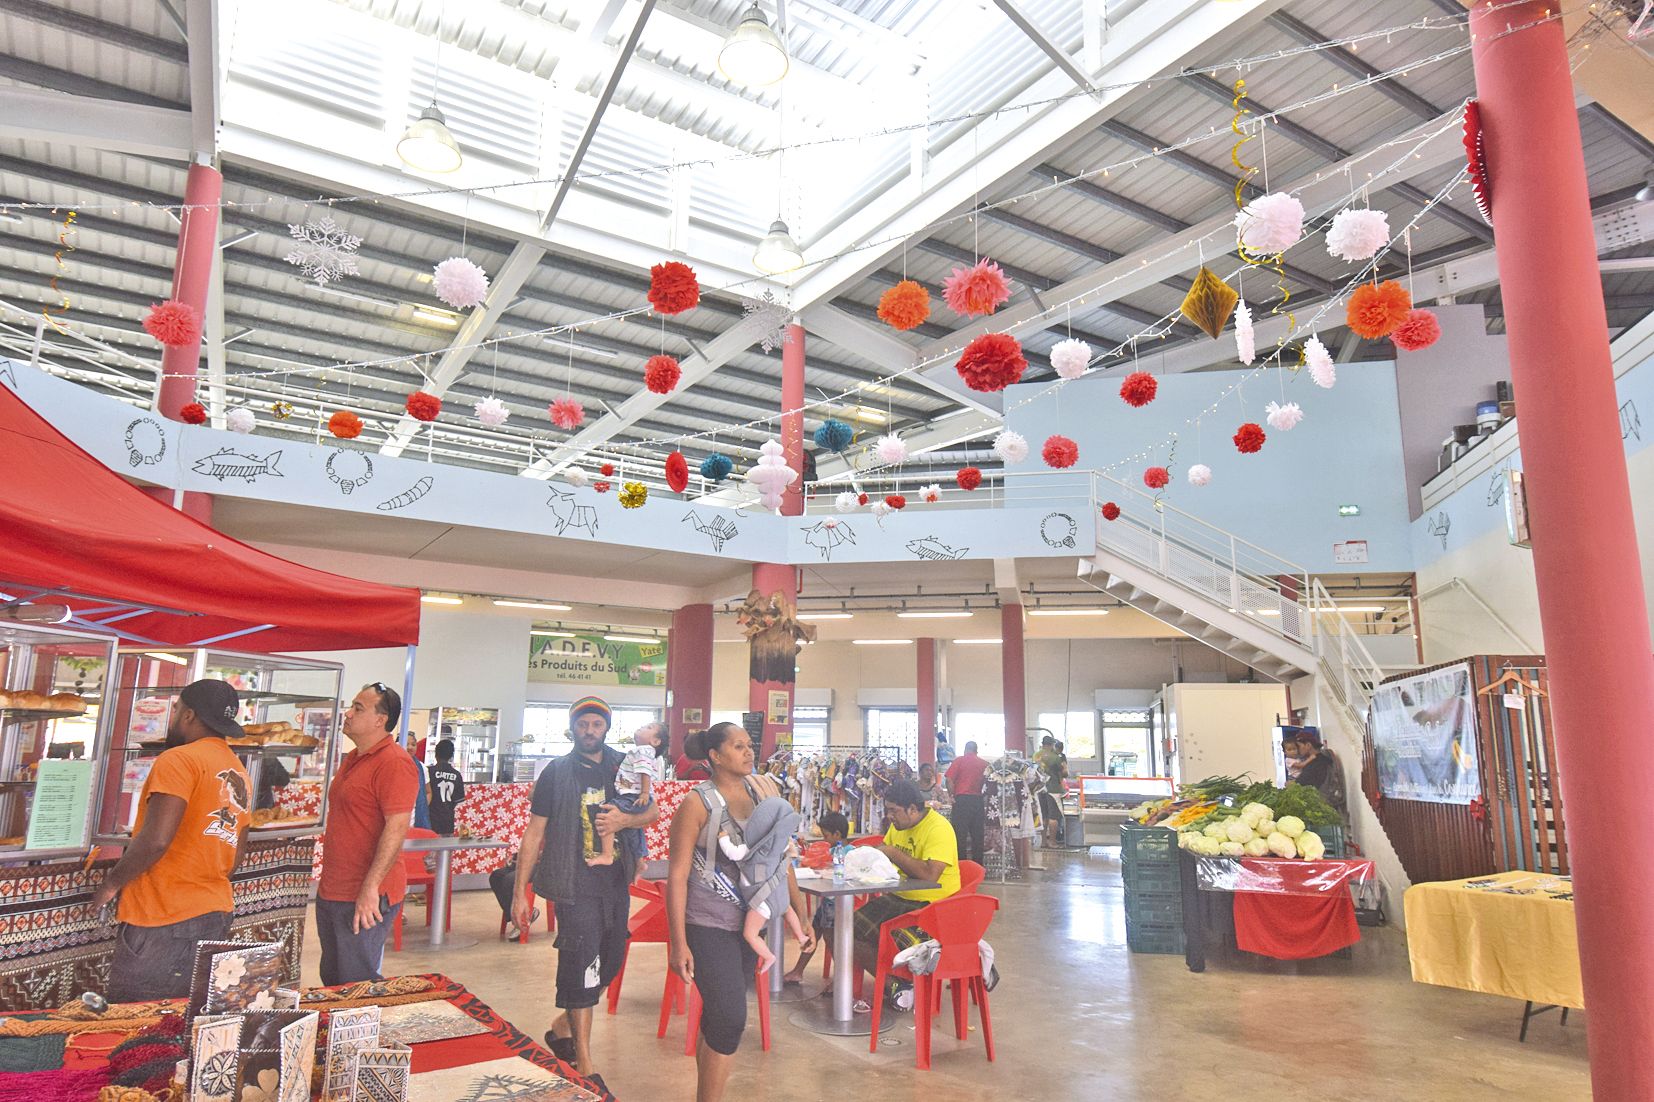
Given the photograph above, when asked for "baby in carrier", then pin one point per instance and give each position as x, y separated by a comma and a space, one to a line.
762, 858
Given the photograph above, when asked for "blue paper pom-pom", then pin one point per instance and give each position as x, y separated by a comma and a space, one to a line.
834, 436
716, 467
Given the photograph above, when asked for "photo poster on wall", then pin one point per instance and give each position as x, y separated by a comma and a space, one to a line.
593, 660
1424, 737
780, 710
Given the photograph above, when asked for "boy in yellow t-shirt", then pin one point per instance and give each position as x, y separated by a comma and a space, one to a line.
922, 845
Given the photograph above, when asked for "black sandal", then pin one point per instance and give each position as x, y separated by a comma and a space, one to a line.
560, 1047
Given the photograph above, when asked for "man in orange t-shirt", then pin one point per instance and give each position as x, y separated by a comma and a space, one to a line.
174, 878
369, 810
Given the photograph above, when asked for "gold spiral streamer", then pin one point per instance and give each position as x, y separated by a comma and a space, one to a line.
65, 244
1275, 263
1246, 171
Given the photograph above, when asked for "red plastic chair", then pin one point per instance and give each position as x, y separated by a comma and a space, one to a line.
647, 925
551, 920
672, 996
959, 923
413, 864
868, 840
970, 878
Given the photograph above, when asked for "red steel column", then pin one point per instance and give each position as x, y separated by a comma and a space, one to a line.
1591, 600
927, 700
689, 672
1015, 697
769, 578
192, 274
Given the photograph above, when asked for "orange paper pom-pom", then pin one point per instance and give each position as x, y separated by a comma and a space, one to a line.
905, 306
673, 287
1420, 330
661, 374
345, 425
1376, 309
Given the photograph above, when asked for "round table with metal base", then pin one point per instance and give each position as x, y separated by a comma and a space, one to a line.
423, 942
436, 938
838, 1017
818, 1018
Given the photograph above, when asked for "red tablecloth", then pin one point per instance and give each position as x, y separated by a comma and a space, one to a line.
1295, 927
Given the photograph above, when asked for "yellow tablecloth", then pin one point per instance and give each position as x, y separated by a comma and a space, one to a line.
1477, 934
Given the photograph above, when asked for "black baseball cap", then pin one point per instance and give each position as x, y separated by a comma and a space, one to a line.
216, 702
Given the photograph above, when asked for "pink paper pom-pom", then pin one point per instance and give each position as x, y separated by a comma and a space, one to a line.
491, 412
976, 290
1245, 338
566, 413
1060, 452
1420, 330
460, 283
1319, 361
1200, 474
1011, 447
1070, 357
1283, 417
1358, 234
891, 450
1271, 223
173, 323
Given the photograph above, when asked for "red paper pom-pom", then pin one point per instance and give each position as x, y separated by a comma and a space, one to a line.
173, 323
677, 472
1376, 309
1060, 451
1111, 511
1155, 478
673, 287
661, 374
423, 406
969, 478
345, 425
905, 306
1420, 330
861, 499
608, 470
992, 362
1249, 438
896, 501
193, 414
1139, 389
601, 487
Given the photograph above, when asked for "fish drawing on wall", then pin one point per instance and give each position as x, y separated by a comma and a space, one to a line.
229, 463
407, 497
720, 529
932, 548
1438, 526
569, 515
827, 534
1630, 423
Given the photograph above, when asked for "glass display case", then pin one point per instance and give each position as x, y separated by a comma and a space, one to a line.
290, 710
53, 730
476, 735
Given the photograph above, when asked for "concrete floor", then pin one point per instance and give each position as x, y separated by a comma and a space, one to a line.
1077, 1016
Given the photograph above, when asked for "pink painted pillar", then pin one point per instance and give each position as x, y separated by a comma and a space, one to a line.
770, 578
1591, 600
927, 700
192, 273
1015, 696
689, 671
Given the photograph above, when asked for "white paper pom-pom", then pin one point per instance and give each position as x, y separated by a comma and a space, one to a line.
1200, 474
846, 501
1011, 447
1358, 234
1320, 364
931, 494
891, 450
576, 477
460, 283
240, 419
1070, 357
1271, 223
1283, 417
491, 412
880, 510
1245, 339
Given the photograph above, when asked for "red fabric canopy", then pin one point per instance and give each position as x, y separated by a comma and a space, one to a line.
70, 523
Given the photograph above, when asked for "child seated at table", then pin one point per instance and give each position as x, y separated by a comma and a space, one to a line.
835, 831
640, 771
762, 856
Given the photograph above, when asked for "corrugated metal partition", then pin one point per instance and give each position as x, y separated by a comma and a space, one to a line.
1517, 824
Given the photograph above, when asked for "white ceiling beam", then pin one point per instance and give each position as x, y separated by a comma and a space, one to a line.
877, 345
1153, 40
84, 121
524, 258
206, 76
1046, 44
1423, 149
213, 336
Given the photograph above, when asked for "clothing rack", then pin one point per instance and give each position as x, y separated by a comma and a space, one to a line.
1005, 771
798, 772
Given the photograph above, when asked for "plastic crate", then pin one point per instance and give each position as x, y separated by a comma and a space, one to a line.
1333, 836
1143, 846
1152, 878
1152, 938
1154, 908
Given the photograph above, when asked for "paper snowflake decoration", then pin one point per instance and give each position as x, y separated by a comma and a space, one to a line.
775, 317
324, 253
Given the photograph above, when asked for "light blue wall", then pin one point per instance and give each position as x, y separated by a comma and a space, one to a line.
1284, 498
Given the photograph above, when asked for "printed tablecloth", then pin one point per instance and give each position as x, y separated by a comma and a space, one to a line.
1508, 934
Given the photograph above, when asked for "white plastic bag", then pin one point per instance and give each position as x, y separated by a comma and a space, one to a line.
866, 865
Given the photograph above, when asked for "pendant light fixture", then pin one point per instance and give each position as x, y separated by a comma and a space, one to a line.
777, 252
753, 54
427, 146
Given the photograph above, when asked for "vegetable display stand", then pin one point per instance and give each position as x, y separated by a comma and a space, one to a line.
1285, 909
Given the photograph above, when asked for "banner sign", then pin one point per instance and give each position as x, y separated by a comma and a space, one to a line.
1424, 737
594, 660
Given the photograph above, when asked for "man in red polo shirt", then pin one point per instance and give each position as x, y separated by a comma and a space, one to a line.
369, 810
970, 821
